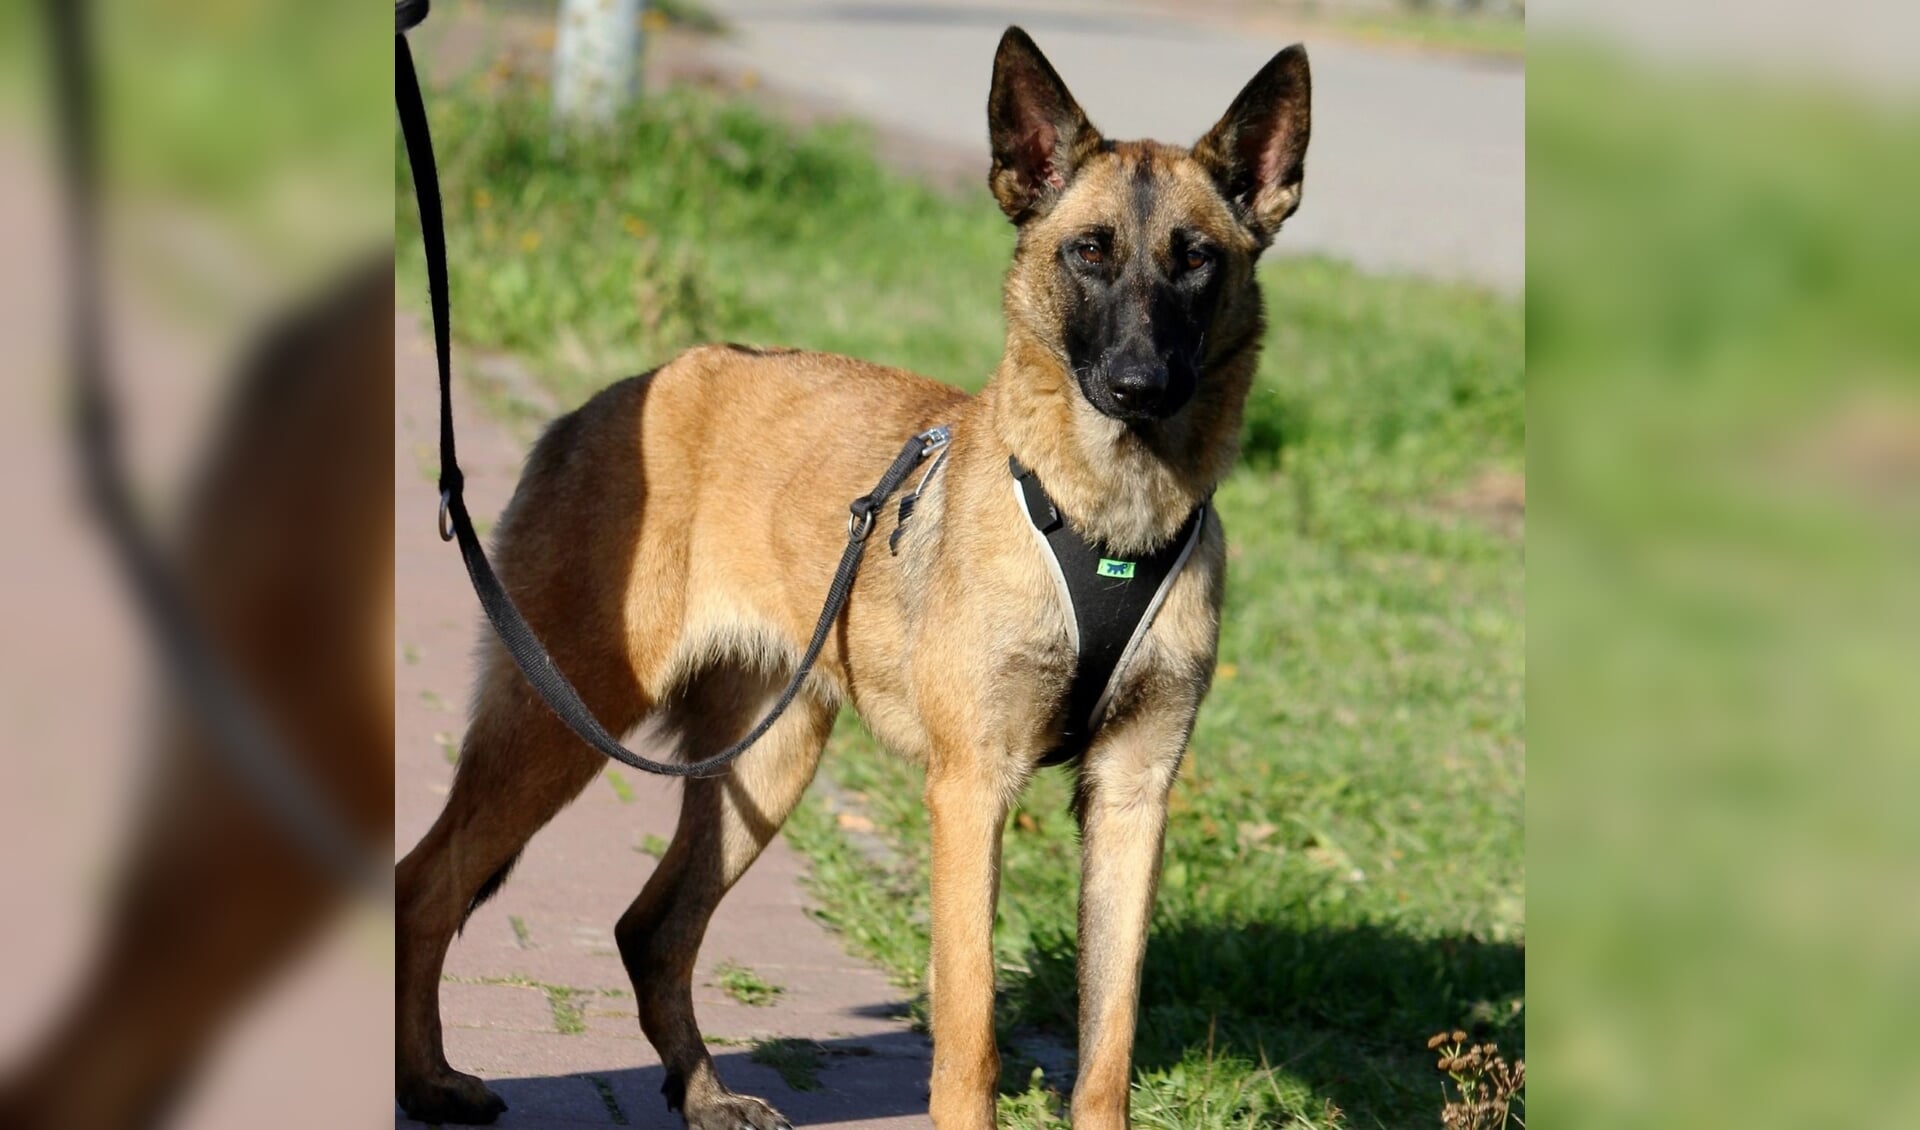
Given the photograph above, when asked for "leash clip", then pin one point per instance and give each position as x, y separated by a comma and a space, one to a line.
936, 441
446, 499
934, 438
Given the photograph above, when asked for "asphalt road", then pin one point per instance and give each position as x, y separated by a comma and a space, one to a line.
1418, 161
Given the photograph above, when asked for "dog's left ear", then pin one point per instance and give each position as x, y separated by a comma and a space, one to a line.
1257, 153
1038, 132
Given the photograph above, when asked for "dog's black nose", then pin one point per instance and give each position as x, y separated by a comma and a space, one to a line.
1138, 391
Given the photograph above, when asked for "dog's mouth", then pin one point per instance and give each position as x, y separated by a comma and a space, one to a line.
1126, 416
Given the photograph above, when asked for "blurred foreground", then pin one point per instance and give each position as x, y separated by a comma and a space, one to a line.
1724, 442
155, 907
1724, 427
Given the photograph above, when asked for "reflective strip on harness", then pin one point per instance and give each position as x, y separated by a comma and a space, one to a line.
1110, 600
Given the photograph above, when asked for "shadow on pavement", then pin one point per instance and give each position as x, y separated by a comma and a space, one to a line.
856, 1080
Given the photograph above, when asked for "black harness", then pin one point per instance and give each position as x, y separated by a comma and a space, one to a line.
1111, 600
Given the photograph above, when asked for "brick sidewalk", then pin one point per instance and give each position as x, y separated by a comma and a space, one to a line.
536, 1000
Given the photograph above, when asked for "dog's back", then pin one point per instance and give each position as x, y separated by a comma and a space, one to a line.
707, 498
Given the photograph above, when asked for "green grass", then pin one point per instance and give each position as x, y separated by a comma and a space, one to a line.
797, 1061
684, 15
1494, 29
568, 1020
1344, 867
698, 219
1722, 605
608, 1100
688, 15
1486, 35
746, 986
563, 1001
246, 123
725, 1041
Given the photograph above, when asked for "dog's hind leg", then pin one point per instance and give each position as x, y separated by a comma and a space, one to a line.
724, 824
519, 765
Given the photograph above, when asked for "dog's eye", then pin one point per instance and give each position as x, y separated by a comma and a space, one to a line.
1090, 252
1196, 258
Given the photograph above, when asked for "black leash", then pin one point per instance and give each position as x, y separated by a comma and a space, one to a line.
546, 679
240, 738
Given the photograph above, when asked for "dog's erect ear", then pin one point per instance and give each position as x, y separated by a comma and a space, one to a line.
1257, 153
1038, 133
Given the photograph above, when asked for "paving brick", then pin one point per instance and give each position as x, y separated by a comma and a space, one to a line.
495, 1006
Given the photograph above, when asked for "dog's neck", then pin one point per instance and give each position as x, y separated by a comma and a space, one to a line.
1128, 486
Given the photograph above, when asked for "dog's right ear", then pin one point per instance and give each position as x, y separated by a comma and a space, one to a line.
1038, 132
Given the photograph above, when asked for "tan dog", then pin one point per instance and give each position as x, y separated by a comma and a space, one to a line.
672, 540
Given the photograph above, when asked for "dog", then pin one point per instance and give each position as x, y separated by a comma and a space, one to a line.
671, 541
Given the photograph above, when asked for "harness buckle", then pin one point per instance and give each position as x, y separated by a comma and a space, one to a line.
860, 522
446, 531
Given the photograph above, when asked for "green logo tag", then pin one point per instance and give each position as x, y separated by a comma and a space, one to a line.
1111, 568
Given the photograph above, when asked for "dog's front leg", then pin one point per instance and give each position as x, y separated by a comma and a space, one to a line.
967, 802
1123, 814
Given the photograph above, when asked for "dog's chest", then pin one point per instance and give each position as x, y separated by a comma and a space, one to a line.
1049, 662
1029, 647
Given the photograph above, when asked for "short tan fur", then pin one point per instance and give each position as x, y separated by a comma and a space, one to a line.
671, 541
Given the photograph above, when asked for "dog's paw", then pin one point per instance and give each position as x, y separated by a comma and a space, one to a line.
452, 1097
735, 1112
